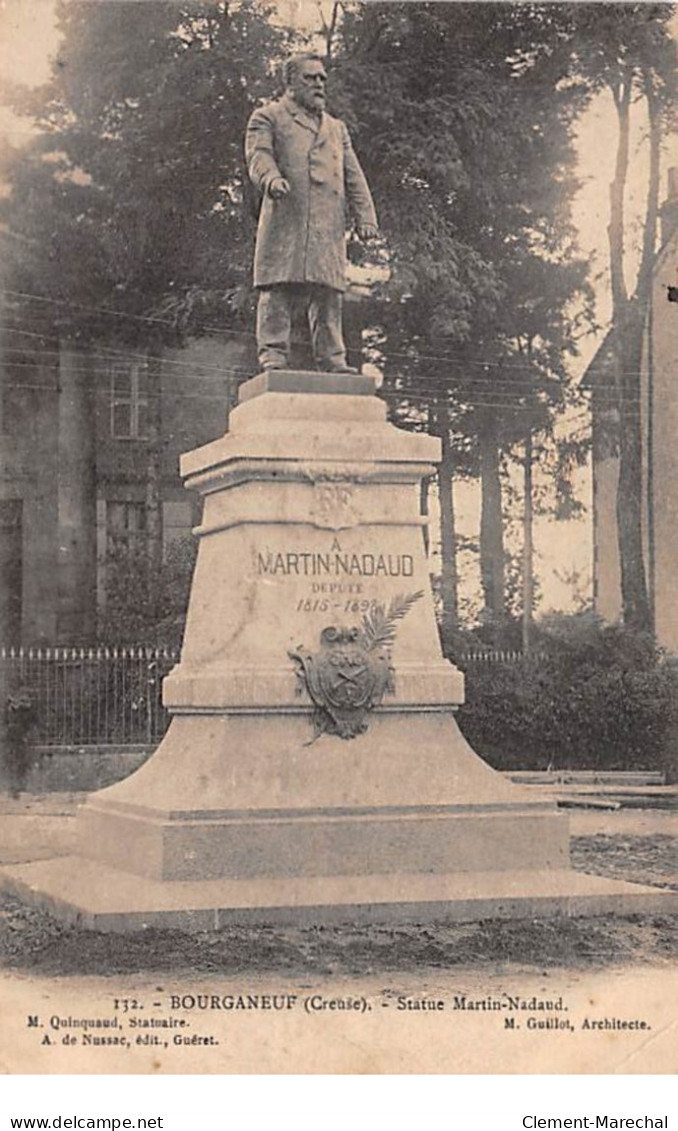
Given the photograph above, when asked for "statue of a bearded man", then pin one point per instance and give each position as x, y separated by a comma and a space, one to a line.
302, 165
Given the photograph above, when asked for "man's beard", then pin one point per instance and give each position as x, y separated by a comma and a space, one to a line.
312, 103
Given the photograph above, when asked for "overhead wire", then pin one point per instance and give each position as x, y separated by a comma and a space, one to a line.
214, 372
112, 352
103, 364
85, 366
606, 392
184, 395
452, 355
421, 393
114, 313
481, 399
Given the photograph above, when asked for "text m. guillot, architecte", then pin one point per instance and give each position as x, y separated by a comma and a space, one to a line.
594, 1121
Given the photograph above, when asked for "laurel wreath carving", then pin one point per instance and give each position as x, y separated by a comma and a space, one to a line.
379, 625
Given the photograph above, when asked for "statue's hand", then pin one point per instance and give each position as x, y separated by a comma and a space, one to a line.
367, 231
278, 187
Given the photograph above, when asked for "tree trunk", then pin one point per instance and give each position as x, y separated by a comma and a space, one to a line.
440, 426
528, 549
492, 557
615, 232
424, 511
628, 357
154, 517
449, 588
329, 28
4, 634
77, 499
629, 317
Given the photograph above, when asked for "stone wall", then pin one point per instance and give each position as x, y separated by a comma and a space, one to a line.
65, 769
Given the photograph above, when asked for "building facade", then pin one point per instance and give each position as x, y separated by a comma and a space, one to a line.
80, 431
86, 436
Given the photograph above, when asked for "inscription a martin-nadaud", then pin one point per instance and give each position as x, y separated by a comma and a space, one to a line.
335, 563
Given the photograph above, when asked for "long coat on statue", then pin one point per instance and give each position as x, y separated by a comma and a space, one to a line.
301, 237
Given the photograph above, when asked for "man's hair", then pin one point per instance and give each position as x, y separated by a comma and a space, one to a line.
294, 64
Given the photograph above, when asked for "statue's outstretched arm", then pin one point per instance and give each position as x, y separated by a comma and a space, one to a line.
259, 150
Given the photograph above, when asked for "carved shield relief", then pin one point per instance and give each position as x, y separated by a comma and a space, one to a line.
352, 671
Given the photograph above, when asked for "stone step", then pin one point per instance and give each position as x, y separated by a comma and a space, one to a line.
97, 897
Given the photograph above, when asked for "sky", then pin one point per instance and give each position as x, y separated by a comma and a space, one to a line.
28, 40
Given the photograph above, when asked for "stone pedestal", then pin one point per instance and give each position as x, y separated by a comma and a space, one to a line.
249, 811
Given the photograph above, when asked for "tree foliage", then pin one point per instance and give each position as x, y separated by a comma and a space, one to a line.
469, 149
591, 696
129, 617
131, 195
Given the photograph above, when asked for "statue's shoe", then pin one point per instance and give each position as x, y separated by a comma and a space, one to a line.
330, 367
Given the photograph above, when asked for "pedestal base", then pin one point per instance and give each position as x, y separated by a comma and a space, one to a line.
250, 796
90, 895
311, 556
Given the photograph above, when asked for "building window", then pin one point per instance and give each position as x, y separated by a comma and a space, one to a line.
129, 400
125, 528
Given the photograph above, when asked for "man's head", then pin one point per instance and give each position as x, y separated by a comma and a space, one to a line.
305, 78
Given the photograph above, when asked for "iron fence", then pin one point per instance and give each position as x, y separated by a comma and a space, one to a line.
113, 696
90, 696
492, 656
